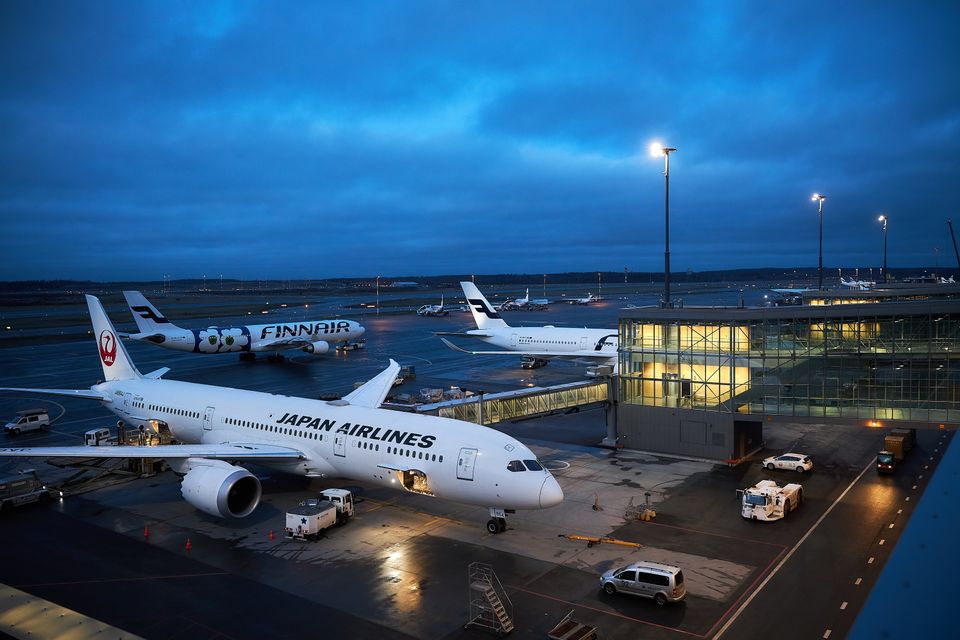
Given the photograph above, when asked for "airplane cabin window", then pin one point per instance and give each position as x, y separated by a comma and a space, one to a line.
441, 458
515, 465
533, 465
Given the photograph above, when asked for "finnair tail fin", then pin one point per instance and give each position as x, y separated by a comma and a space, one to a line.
148, 319
483, 312
116, 362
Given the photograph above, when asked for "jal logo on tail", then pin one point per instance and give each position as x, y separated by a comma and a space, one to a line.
108, 347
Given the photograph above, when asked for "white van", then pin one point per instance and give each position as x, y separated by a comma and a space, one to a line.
97, 437
661, 582
28, 420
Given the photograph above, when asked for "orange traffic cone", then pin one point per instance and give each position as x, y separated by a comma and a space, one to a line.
188, 546
146, 532
271, 534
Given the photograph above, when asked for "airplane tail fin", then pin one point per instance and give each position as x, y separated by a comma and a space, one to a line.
483, 312
116, 362
147, 317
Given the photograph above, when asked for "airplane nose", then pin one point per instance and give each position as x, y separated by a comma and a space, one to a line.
361, 330
550, 493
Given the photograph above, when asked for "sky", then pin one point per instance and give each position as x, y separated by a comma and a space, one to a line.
319, 140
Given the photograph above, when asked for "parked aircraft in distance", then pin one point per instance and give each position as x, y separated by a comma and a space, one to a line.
588, 300
311, 336
348, 438
860, 285
525, 303
433, 310
538, 344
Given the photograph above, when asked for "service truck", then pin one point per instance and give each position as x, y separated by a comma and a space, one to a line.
342, 499
22, 488
767, 501
307, 522
900, 442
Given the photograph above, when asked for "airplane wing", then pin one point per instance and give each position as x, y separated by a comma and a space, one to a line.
168, 451
459, 334
83, 394
395, 467
372, 393
536, 354
159, 373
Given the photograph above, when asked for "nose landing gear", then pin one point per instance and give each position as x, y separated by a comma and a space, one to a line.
498, 521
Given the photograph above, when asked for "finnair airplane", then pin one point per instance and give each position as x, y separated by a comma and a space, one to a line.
588, 300
860, 285
311, 336
433, 310
598, 346
348, 438
525, 303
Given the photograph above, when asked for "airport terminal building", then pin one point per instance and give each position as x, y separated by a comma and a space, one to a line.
702, 381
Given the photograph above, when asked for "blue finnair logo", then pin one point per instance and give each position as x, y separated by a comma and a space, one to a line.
481, 307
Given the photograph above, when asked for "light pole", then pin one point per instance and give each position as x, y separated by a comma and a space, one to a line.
657, 149
884, 220
819, 198
598, 284
378, 295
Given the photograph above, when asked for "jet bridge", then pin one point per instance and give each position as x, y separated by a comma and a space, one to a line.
530, 402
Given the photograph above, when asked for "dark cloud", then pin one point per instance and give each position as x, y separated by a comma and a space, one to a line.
315, 140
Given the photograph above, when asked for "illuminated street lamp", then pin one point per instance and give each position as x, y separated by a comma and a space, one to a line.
884, 220
378, 295
657, 149
819, 197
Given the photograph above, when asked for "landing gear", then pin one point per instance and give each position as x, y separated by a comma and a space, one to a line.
497, 522
496, 525
247, 356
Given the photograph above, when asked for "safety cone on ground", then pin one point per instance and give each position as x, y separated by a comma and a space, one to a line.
146, 532
271, 534
189, 545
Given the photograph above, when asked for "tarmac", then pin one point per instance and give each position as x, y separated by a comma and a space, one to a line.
399, 568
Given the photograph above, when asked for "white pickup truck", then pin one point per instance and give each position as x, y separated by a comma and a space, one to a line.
766, 501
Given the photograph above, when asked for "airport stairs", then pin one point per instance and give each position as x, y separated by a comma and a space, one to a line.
490, 606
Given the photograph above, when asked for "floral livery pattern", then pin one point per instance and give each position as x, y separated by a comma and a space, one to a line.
221, 340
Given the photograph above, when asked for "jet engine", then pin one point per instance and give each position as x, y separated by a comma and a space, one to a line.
317, 348
221, 489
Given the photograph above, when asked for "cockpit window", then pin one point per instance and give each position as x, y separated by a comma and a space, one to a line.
533, 465
515, 465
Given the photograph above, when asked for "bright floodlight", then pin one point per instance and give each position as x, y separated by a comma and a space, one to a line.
656, 149
881, 218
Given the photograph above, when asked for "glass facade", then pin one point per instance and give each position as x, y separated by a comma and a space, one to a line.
866, 362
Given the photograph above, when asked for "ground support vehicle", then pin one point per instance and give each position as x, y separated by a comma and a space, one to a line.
308, 522
22, 488
767, 501
28, 420
886, 462
341, 499
900, 442
660, 582
351, 346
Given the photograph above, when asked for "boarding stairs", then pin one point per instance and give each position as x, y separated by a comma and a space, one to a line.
490, 606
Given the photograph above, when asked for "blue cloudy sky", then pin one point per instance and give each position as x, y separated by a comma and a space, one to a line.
312, 140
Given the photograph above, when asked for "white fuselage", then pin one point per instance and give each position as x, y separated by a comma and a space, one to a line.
446, 458
567, 342
256, 337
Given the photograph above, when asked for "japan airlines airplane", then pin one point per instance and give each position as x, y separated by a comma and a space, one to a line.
312, 336
540, 343
348, 438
